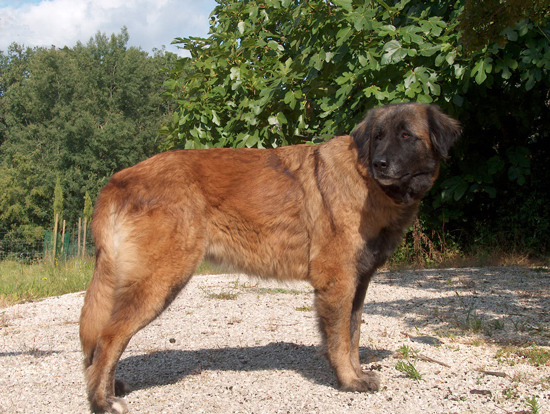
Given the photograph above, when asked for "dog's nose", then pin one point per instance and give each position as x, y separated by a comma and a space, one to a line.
380, 163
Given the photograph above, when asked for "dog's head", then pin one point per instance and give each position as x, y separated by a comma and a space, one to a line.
401, 146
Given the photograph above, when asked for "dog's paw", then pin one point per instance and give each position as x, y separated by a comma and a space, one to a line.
121, 388
113, 405
117, 406
368, 381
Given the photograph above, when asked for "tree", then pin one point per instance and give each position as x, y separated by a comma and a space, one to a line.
23, 192
79, 113
274, 72
88, 207
13, 69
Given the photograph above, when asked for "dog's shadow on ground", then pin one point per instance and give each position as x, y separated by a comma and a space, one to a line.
170, 366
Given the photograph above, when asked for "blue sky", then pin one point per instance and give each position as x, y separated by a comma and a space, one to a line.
151, 23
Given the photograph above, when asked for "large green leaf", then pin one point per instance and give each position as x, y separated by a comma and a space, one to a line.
393, 52
344, 4
481, 69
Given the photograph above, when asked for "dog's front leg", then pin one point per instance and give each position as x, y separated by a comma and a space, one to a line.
355, 321
334, 302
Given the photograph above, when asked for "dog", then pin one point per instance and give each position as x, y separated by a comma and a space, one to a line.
330, 214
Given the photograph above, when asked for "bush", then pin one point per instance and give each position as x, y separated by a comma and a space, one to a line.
278, 72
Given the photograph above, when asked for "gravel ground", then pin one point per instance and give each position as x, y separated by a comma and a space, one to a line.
230, 344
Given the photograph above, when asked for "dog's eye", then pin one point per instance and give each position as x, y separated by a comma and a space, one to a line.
378, 137
405, 135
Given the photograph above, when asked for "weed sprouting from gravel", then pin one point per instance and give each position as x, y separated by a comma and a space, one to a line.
533, 355
533, 405
472, 322
275, 291
406, 351
408, 368
497, 325
510, 393
223, 295
237, 287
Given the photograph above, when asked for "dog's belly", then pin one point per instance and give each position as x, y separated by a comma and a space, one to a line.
257, 251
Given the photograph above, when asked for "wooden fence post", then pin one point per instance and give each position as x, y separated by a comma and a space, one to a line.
55, 235
63, 237
84, 241
79, 226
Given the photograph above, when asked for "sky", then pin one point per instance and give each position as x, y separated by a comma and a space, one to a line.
150, 23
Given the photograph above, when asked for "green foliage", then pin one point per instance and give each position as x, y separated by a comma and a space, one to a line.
23, 192
408, 368
273, 73
79, 114
88, 208
223, 295
489, 21
533, 405
23, 282
533, 355
406, 351
277, 72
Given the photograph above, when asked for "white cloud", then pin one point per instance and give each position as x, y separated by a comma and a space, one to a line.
151, 23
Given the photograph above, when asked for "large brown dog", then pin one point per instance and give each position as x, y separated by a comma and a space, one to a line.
330, 214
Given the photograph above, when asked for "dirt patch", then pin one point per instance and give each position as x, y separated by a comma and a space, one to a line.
444, 341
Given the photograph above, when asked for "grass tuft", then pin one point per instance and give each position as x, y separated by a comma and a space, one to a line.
533, 404
21, 282
533, 355
223, 295
406, 351
408, 368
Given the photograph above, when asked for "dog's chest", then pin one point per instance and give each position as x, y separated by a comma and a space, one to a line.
379, 247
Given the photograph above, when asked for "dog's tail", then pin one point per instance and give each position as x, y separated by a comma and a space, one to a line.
99, 299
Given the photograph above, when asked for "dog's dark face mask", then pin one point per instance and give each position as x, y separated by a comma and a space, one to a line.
402, 145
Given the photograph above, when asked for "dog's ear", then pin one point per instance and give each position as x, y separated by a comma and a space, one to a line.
444, 131
362, 134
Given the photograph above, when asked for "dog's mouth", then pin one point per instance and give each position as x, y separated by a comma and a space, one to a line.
407, 187
400, 179
387, 180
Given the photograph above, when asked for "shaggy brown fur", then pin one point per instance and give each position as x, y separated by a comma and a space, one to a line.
330, 214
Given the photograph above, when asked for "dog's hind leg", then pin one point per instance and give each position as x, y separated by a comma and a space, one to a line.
135, 306
152, 265
98, 305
